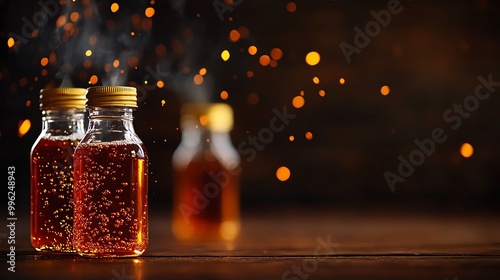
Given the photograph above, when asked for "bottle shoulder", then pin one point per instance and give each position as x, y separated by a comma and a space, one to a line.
186, 155
132, 148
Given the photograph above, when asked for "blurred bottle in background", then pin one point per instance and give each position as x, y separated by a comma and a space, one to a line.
206, 175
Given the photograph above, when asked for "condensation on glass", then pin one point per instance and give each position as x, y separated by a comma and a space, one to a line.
111, 178
206, 175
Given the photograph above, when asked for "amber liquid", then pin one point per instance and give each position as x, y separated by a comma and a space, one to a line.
111, 199
206, 201
52, 194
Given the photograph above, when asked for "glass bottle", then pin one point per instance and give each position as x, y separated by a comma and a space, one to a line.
111, 178
206, 175
51, 168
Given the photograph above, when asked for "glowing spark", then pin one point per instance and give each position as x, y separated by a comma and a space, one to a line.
276, 53
298, 102
342, 81
309, 135
385, 90
116, 63
316, 80
264, 60
466, 150
11, 42
283, 173
160, 84
44, 61
74, 16
321, 93
162, 102
203, 120
88, 53
115, 7
252, 50
234, 35
313, 58
24, 127
93, 80
224, 95
149, 12
61, 20
225, 55
203, 71
198, 79
291, 138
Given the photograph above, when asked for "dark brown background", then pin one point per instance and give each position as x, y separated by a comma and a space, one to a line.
430, 55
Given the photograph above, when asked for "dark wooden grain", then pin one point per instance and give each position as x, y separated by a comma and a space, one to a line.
374, 245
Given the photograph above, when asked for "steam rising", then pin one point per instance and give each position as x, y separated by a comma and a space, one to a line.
195, 43
109, 36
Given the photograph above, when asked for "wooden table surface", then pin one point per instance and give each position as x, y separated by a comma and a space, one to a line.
319, 244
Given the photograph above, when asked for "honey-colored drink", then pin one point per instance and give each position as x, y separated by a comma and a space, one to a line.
111, 178
111, 211
52, 194
206, 176
51, 169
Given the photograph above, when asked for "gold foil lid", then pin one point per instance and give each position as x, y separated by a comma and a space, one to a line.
112, 96
67, 98
218, 117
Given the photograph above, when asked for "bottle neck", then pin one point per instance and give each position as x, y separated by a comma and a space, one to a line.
197, 140
63, 122
111, 123
202, 138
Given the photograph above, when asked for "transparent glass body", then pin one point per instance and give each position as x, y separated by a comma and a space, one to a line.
51, 213
206, 184
111, 187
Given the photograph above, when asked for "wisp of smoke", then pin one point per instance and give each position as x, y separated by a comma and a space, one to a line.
97, 39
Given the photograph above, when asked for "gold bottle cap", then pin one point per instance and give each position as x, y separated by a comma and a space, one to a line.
67, 98
218, 117
112, 96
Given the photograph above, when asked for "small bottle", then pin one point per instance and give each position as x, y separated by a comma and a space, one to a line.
51, 213
206, 175
111, 178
